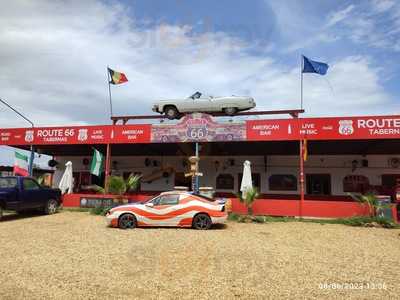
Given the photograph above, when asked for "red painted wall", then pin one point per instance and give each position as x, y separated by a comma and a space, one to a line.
311, 208
269, 207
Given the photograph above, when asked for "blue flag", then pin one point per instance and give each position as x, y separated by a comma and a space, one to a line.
310, 66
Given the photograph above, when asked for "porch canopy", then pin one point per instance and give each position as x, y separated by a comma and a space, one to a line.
251, 148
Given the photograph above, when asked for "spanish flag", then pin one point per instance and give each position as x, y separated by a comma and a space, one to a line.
117, 77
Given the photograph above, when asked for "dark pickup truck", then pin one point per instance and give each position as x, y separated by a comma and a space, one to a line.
24, 193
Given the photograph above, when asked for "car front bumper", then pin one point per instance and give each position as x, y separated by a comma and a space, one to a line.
112, 220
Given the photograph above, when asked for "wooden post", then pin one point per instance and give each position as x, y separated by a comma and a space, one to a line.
107, 171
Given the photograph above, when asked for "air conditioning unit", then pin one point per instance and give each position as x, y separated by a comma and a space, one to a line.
394, 162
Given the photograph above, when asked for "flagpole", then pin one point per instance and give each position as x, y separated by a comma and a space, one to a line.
301, 80
109, 91
32, 154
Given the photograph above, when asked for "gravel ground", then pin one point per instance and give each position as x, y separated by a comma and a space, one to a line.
73, 255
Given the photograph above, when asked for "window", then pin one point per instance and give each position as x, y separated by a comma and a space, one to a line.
283, 182
29, 184
8, 182
181, 180
169, 200
318, 184
355, 184
225, 182
390, 181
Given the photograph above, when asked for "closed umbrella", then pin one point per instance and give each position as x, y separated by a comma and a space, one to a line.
67, 181
247, 182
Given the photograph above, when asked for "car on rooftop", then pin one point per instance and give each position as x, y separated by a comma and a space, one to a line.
230, 105
172, 209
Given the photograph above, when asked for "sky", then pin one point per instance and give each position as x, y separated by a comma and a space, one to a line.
54, 55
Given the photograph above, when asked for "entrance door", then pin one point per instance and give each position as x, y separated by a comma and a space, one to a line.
318, 184
181, 180
389, 182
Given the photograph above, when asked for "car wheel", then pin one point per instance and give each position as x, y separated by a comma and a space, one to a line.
51, 207
127, 221
230, 111
171, 112
1, 212
202, 222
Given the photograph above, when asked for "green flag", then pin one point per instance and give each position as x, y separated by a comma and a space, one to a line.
97, 163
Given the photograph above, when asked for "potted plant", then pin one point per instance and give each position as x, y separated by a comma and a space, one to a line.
117, 186
132, 183
370, 200
248, 199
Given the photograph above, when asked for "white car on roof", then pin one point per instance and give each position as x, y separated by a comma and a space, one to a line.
200, 103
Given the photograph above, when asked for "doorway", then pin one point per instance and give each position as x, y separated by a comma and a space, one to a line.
181, 180
318, 184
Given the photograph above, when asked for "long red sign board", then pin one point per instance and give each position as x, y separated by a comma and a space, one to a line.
76, 135
335, 128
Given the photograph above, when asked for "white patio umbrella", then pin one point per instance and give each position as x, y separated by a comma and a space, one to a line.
247, 182
67, 181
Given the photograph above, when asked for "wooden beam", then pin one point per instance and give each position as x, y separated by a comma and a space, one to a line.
292, 112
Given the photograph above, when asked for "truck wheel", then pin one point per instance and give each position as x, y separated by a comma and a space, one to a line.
230, 111
51, 207
171, 112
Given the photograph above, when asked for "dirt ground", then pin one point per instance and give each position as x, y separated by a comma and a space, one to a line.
73, 255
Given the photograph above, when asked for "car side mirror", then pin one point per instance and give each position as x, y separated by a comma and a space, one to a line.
149, 204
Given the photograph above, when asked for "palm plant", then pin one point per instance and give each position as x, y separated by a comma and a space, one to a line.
133, 182
370, 200
248, 199
116, 185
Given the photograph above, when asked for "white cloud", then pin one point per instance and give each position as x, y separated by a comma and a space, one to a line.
375, 24
339, 16
381, 6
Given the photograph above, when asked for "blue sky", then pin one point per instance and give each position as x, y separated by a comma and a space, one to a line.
54, 55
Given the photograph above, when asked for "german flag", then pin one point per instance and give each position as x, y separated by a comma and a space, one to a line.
117, 77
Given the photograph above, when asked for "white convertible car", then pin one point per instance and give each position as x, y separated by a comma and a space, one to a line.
207, 104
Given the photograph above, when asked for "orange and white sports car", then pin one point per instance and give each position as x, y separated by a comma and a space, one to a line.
180, 209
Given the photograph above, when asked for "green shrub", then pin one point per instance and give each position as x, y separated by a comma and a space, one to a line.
248, 199
259, 219
99, 210
386, 223
133, 182
233, 217
116, 185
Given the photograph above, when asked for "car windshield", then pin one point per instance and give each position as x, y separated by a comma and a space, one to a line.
148, 200
196, 95
8, 182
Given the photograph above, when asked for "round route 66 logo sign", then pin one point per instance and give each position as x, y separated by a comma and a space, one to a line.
346, 127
